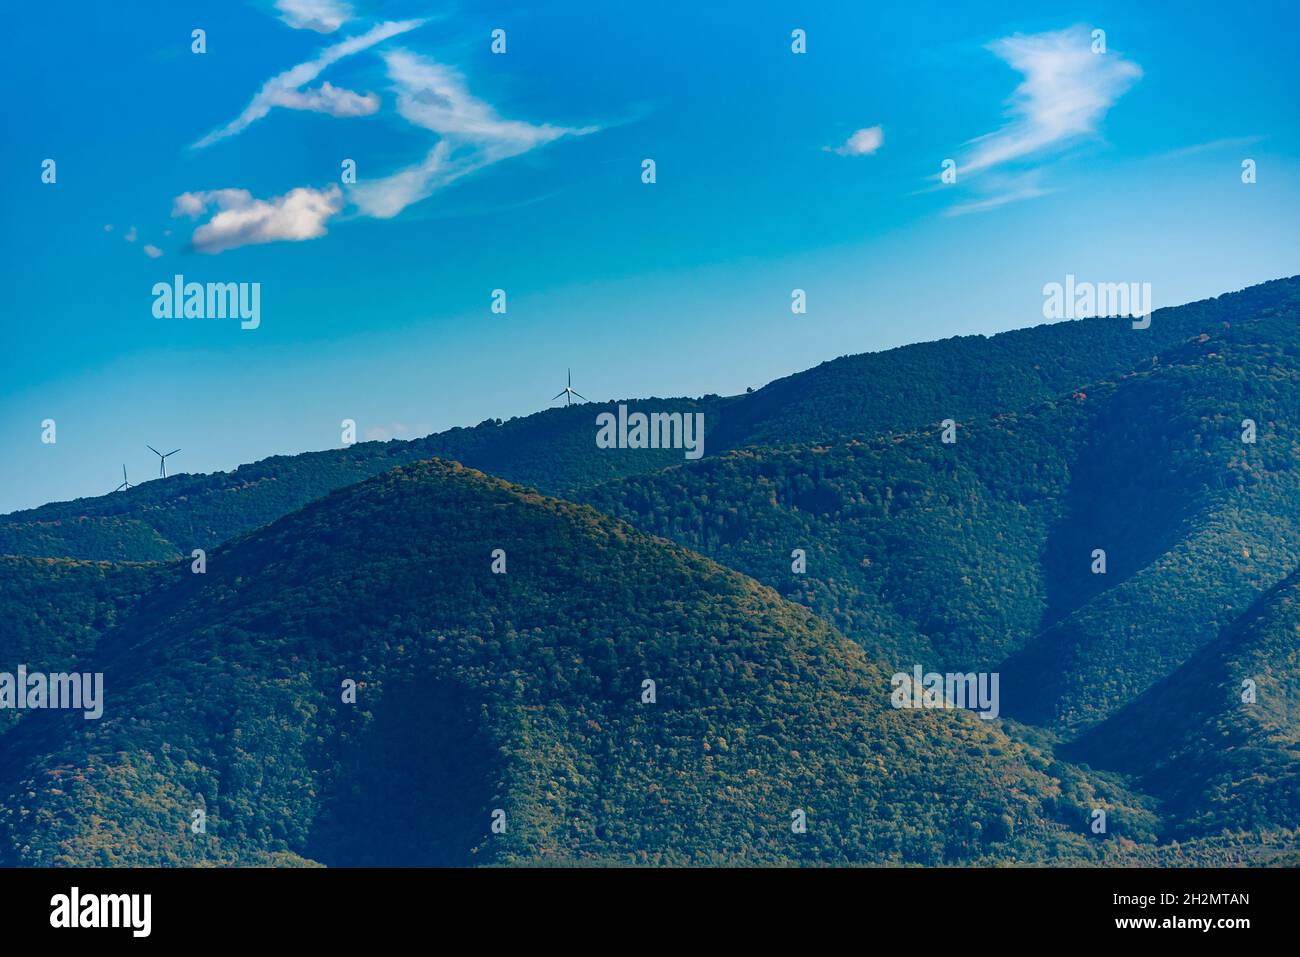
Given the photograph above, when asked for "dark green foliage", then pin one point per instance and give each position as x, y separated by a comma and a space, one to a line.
54, 611
978, 555
85, 535
1221, 762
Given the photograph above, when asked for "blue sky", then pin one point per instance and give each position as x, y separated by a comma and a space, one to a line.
522, 171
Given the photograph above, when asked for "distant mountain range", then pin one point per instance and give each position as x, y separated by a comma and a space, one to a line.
1115, 532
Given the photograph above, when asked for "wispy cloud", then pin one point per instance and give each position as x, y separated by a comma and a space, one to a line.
323, 16
280, 89
152, 251
862, 143
1066, 91
430, 95
328, 98
242, 220
1001, 191
1235, 142
472, 135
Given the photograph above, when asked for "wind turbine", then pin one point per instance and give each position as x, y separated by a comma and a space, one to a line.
125, 483
162, 460
569, 392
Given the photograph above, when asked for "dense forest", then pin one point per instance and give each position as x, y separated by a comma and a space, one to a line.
522, 691
1108, 518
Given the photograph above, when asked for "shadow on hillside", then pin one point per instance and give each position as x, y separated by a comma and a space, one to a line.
412, 785
1130, 495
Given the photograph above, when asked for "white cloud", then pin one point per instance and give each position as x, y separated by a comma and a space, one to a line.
153, 252
1066, 91
131, 235
323, 16
862, 143
194, 205
283, 85
327, 99
435, 97
108, 227
241, 220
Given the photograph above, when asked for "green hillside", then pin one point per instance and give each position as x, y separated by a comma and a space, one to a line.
519, 691
979, 554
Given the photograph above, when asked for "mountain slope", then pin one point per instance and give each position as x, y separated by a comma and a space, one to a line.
921, 551
554, 451
520, 692
980, 554
1219, 739
1197, 523
53, 612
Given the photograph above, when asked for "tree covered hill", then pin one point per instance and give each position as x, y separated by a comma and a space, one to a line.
522, 692
1172, 449
1219, 738
555, 451
983, 553
54, 611
972, 376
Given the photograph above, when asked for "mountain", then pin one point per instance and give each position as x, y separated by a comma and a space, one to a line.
521, 691
554, 451
979, 554
1113, 532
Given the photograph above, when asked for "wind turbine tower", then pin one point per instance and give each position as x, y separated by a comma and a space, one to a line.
162, 460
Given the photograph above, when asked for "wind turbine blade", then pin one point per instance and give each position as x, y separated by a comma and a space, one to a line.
557, 395
579, 395
153, 450
172, 452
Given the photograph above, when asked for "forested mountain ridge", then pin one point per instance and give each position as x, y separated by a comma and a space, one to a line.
1176, 455
554, 451
982, 553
